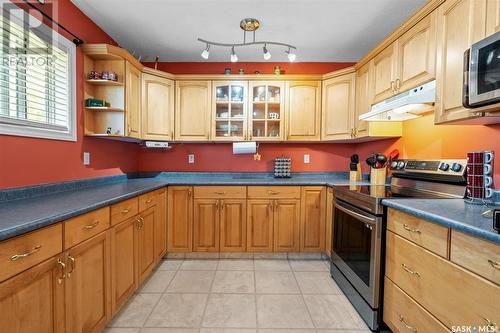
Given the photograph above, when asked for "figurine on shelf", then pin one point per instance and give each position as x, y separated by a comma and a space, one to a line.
113, 76
93, 75
105, 75
108, 131
227, 71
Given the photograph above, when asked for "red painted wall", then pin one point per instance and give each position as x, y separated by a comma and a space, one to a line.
249, 67
28, 161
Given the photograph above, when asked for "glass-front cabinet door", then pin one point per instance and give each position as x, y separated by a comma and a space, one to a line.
229, 115
266, 118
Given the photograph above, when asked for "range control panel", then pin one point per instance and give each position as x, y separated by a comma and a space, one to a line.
449, 167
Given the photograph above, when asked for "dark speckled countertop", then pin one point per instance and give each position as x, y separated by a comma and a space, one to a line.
452, 213
44, 208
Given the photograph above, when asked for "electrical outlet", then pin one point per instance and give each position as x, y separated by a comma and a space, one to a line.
306, 159
191, 158
86, 158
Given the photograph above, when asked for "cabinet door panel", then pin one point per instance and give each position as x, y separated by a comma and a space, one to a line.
364, 97
286, 225
206, 225
161, 225
33, 301
492, 17
329, 221
312, 232
384, 72
157, 108
459, 24
146, 257
259, 226
88, 292
303, 110
180, 219
133, 101
192, 110
123, 262
233, 232
338, 107
417, 54
229, 110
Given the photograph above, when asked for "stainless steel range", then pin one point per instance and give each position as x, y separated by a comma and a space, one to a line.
359, 222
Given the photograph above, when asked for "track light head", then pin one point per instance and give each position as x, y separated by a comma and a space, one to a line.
206, 52
234, 57
291, 56
267, 54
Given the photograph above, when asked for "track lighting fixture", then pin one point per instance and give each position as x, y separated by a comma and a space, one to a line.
267, 54
234, 57
291, 56
206, 52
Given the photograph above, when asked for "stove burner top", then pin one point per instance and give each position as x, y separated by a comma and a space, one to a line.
388, 191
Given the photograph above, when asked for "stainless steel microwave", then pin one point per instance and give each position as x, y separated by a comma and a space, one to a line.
482, 73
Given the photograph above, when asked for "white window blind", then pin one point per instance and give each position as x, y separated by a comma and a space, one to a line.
37, 96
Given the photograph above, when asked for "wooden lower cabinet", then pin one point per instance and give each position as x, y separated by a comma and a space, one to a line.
160, 242
259, 225
123, 259
206, 225
312, 221
329, 221
180, 219
33, 301
286, 217
233, 225
87, 285
146, 258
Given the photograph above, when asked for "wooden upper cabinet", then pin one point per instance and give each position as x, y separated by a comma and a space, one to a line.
180, 219
206, 225
417, 54
133, 100
192, 110
229, 111
146, 257
303, 110
259, 226
338, 107
385, 72
233, 224
266, 116
157, 108
286, 216
312, 221
460, 23
88, 285
364, 97
492, 17
33, 301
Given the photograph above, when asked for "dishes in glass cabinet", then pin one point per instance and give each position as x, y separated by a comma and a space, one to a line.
236, 93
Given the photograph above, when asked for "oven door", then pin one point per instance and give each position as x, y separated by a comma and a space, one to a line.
356, 249
484, 71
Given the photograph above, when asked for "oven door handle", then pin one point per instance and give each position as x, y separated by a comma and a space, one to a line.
351, 210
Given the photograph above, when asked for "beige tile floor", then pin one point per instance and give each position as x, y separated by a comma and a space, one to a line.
239, 296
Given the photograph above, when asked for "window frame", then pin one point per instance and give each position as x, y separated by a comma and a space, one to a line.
27, 128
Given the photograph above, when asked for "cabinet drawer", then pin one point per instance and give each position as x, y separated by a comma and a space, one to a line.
148, 200
292, 192
476, 255
403, 314
453, 295
83, 227
124, 210
20, 253
214, 192
429, 235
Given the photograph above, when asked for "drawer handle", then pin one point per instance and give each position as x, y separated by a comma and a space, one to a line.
63, 270
407, 228
494, 264
34, 250
140, 222
273, 192
220, 193
90, 226
125, 211
411, 328
72, 260
149, 201
409, 270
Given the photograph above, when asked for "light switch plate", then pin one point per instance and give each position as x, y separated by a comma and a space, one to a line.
191, 158
307, 159
86, 158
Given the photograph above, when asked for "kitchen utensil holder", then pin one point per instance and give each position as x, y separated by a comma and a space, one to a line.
378, 176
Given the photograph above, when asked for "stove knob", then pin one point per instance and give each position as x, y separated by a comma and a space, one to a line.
444, 167
394, 164
401, 165
456, 167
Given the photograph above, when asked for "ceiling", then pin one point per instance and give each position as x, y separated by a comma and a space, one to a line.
322, 30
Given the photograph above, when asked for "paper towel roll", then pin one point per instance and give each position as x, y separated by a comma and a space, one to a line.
244, 148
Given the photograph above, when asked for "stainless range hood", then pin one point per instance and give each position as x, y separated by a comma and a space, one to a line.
407, 105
